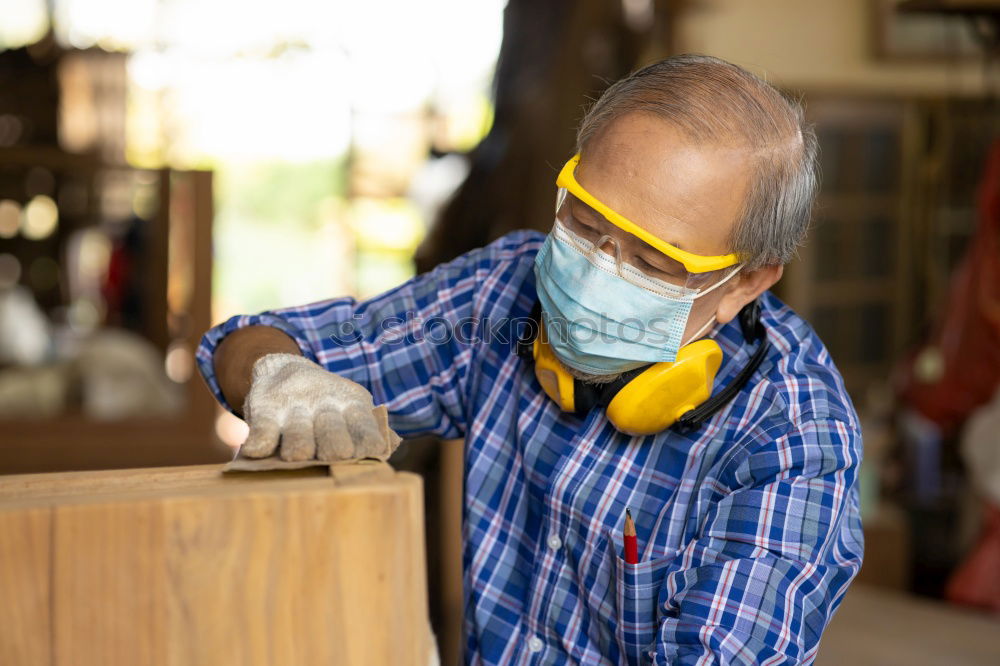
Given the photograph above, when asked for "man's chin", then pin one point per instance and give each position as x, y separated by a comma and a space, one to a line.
586, 376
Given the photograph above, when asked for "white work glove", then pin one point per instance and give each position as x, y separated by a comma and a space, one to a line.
312, 412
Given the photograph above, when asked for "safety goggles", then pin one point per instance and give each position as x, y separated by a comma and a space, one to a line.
587, 217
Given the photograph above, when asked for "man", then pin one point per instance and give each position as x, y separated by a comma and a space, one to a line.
693, 187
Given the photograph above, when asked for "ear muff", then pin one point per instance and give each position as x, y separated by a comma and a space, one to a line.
651, 399
662, 393
557, 383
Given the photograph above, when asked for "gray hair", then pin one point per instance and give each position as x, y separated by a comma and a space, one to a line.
712, 100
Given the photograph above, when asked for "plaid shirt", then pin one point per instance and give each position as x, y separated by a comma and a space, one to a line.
748, 529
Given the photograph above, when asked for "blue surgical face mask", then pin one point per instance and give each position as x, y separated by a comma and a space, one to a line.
604, 317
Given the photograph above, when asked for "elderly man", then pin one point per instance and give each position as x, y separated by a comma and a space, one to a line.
652, 371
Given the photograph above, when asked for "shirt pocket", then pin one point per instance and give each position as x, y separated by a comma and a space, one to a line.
636, 588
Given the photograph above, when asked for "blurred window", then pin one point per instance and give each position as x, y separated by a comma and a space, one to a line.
318, 118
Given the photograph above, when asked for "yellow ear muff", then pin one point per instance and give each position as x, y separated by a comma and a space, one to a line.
555, 381
662, 393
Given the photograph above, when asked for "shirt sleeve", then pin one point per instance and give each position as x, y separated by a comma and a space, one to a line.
411, 347
775, 556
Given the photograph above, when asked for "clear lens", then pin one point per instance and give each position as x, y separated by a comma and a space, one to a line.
592, 227
560, 198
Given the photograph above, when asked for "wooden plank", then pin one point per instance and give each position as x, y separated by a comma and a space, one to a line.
451, 487
66, 485
189, 567
366, 472
202, 405
25, 622
238, 571
296, 578
412, 567
108, 584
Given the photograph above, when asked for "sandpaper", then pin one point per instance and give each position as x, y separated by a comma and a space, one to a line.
243, 464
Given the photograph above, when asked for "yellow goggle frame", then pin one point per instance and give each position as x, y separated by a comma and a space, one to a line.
694, 263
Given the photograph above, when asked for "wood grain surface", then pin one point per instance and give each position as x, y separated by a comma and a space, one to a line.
185, 566
25, 625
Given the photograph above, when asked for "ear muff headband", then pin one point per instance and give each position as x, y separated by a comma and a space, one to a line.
753, 330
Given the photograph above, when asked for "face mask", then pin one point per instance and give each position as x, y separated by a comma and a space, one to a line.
604, 317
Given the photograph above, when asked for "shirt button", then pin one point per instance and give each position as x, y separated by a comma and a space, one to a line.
535, 644
555, 543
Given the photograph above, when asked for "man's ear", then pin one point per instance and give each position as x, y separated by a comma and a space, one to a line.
749, 285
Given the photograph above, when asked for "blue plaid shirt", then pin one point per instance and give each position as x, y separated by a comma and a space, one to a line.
748, 529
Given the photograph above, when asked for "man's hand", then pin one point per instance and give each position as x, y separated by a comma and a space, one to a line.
311, 412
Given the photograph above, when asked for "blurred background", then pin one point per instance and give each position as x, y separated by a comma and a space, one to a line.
165, 164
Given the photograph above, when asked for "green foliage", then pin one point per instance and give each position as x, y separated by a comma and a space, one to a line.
280, 193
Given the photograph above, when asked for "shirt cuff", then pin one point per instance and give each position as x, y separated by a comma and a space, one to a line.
210, 342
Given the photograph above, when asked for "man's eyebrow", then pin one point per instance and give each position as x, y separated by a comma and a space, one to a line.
582, 206
647, 247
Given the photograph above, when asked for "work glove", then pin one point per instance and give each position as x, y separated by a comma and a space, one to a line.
310, 412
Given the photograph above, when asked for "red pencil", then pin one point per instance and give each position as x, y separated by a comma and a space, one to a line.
631, 543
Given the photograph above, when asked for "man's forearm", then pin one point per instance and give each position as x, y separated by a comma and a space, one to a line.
234, 358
